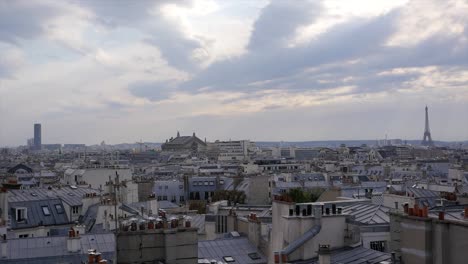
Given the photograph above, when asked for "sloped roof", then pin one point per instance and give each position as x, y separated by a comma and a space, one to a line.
36, 216
20, 166
183, 140
54, 249
367, 213
238, 248
421, 193
357, 255
70, 196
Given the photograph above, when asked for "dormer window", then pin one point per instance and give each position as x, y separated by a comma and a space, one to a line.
21, 214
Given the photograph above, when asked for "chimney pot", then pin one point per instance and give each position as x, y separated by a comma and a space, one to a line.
441, 215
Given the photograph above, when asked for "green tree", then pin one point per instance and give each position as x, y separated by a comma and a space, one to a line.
299, 195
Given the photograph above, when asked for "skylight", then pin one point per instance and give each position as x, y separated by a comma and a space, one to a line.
45, 210
228, 259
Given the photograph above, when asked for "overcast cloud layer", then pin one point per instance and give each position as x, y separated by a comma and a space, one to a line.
122, 71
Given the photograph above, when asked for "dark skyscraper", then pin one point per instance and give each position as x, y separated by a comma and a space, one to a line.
37, 136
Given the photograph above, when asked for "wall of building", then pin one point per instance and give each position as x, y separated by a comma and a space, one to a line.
287, 229
389, 201
449, 242
427, 240
258, 192
145, 189
171, 246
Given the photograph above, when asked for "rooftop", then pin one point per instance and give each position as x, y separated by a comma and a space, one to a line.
54, 249
357, 255
238, 248
70, 196
367, 213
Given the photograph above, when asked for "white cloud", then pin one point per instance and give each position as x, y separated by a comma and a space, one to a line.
420, 20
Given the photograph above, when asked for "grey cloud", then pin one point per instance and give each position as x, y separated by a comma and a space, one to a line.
362, 40
144, 15
23, 19
154, 91
278, 22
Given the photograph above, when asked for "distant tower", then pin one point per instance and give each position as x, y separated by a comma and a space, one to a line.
37, 136
427, 139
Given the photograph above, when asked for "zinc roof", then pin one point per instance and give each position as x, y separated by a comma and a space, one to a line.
367, 213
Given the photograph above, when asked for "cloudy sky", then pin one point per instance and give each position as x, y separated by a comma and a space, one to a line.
122, 71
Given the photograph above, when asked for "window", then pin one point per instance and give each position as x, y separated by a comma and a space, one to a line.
45, 210
221, 224
21, 214
74, 209
228, 259
206, 183
254, 256
59, 209
211, 183
378, 245
23, 236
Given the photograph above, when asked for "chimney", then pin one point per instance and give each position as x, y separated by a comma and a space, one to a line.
318, 211
333, 208
73, 241
4, 247
466, 212
324, 254
91, 256
441, 215
309, 209
406, 207
80, 230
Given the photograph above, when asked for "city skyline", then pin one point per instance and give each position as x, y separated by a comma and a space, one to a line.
89, 71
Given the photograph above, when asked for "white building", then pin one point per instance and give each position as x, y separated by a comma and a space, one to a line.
234, 150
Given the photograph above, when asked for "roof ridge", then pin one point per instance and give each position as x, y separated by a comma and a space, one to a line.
375, 212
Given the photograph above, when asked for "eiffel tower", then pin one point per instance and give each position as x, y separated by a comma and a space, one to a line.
427, 139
